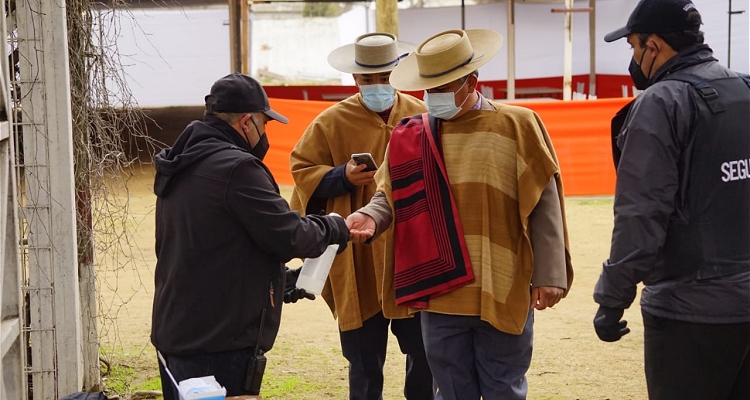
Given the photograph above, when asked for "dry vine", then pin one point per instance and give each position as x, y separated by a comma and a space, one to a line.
110, 139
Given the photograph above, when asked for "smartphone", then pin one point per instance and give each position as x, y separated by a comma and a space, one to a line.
365, 158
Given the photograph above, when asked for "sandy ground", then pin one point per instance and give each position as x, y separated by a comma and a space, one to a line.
569, 361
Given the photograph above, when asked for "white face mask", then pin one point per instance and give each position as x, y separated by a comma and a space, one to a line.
378, 97
443, 105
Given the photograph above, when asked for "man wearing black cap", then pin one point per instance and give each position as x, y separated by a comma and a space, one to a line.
682, 210
223, 234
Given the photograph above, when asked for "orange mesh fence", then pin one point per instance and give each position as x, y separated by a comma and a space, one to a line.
579, 132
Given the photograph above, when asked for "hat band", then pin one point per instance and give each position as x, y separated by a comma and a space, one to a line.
363, 65
450, 70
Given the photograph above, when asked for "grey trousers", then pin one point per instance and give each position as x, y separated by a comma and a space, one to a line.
470, 359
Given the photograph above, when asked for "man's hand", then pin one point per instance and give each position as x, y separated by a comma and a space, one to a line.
545, 296
361, 227
608, 326
356, 176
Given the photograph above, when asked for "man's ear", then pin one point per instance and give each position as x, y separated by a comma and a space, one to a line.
652, 43
473, 80
243, 123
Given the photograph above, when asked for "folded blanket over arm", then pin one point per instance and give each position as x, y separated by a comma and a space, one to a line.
425, 212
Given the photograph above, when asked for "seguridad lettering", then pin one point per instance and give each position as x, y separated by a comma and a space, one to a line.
735, 170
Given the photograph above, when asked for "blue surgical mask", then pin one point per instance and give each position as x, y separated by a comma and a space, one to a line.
443, 105
378, 97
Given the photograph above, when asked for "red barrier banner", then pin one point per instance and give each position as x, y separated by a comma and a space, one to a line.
580, 132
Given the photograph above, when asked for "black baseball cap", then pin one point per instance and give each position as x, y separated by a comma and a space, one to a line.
656, 16
238, 93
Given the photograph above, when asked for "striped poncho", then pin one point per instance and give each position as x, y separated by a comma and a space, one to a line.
498, 163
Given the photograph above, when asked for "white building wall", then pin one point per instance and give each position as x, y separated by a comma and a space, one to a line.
295, 48
613, 58
173, 56
539, 36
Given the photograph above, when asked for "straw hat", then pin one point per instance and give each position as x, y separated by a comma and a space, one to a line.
369, 54
445, 57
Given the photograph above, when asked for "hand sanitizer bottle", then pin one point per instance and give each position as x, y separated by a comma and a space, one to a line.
314, 272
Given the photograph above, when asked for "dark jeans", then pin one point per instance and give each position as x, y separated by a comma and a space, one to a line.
471, 359
229, 368
687, 361
365, 349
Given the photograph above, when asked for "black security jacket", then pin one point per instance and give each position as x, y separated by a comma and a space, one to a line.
681, 227
223, 234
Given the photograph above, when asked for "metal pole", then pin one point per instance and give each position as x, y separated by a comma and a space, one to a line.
729, 39
463, 16
729, 36
592, 48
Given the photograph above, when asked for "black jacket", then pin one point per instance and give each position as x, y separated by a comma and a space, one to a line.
679, 227
223, 234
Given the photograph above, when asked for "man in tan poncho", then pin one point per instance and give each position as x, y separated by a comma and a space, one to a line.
479, 239
327, 179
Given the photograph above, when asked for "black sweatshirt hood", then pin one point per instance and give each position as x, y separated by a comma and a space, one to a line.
199, 140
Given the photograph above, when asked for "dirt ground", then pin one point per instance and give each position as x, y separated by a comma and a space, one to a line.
569, 361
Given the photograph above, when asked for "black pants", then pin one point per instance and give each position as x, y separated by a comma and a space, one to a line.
229, 368
365, 349
687, 361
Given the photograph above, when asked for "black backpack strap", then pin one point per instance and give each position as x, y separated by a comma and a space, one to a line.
709, 94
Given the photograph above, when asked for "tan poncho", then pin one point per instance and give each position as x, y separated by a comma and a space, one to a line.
498, 163
355, 280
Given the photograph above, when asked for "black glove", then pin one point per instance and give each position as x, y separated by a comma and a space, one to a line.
291, 296
608, 326
291, 292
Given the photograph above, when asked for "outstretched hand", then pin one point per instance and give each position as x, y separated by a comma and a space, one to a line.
361, 227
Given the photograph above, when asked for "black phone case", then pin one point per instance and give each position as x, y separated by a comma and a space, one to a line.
367, 161
256, 367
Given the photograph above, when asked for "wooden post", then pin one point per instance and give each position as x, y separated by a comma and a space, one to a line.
235, 49
386, 16
568, 53
511, 82
49, 210
568, 46
244, 37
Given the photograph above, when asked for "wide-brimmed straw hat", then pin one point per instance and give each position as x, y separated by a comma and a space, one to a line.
445, 57
370, 53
